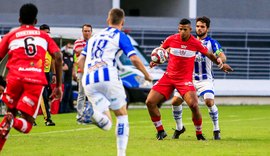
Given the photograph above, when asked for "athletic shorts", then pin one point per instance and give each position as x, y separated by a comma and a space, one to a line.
106, 94
202, 87
166, 86
23, 96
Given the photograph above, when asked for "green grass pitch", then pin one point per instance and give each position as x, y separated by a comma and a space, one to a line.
245, 131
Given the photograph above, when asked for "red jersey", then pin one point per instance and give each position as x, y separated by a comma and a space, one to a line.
182, 55
26, 48
78, 45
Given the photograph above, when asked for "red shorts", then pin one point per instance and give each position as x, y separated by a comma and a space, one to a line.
166, 85
23, 96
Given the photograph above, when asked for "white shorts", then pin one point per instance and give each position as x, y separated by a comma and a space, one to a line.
106, 94
204, 88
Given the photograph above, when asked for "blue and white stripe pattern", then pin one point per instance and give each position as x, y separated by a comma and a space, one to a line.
203, 65
100, 52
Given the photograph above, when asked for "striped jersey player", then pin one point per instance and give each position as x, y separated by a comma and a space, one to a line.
101, 82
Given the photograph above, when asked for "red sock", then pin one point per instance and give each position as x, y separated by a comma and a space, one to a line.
2, 142
22, 125
198, 125
157, 122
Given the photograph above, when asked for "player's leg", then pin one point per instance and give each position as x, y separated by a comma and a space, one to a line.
213, 112
118, 105
177, 115
152, 100
28, 105
121, 130
10, 97
81, 97
159, 93
192, 101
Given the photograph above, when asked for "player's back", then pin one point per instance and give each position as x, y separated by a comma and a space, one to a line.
26, 47
101, 51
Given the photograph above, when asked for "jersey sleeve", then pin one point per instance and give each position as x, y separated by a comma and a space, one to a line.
125, 45
217, 49
202, 49
166, 43
4, 47
84, 52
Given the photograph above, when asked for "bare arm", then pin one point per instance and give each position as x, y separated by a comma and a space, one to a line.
57, 92
80, 62
223, 57
139, 65
58, 68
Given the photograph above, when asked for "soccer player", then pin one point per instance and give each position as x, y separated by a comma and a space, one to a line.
79, 44
182, 48
26, 48
101, 81
202, 78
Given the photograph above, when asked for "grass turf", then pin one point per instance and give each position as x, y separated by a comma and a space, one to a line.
245, 131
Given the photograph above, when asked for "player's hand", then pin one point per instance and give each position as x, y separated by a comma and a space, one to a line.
226, 68
148, 78
57, 93
53, 79
152, 64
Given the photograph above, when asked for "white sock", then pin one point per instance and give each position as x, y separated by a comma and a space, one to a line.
122, 133
102, 120
177, 115
213, 112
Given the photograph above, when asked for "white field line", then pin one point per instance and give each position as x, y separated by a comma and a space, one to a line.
131, 123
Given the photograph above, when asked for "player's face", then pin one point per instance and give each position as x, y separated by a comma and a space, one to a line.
184, 31
201, 29
87, 32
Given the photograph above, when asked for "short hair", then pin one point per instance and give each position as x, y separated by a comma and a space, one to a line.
116, 15
44, 26
205, 20
28, 13
184, 21
87, 25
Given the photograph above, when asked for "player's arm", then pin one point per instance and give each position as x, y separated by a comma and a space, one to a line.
139, 65
57, 92
81, 61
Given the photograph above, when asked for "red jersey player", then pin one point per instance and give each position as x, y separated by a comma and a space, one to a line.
182, 48
26, 48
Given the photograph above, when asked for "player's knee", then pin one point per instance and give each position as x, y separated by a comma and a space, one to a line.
176, 101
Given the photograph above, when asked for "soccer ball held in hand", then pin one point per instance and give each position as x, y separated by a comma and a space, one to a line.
159, 55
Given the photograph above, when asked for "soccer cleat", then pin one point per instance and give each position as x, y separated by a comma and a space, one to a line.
177, 133
217, 135
87, 115
161, 135
49, 123
200, 137
34, 124
6, 125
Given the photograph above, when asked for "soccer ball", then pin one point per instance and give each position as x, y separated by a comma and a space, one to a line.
159, 55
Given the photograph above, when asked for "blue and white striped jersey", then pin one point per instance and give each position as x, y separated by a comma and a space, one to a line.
100, 52
203, 65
